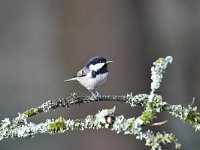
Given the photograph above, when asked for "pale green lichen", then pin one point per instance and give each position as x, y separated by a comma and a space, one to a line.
157, 72
45, 107
30, 112
155, 141
58, 125
137, 100
189, 114
148, 114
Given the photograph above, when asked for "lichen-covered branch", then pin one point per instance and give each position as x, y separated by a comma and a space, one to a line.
107, 118
157, 71
69, 101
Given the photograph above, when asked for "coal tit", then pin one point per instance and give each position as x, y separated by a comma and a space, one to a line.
93, 74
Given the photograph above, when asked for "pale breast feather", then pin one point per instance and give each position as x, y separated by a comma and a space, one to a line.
92, 83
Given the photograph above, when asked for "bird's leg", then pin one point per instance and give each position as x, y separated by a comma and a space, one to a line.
95, 94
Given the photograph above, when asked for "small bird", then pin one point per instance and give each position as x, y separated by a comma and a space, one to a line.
93, 74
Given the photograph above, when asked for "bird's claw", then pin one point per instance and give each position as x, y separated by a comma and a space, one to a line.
97, 96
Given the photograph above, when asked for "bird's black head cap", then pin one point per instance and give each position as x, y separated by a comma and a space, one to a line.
95, 60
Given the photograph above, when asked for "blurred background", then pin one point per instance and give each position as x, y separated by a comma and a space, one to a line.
44, 42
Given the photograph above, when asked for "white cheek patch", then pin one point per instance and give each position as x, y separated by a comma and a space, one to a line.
96, 67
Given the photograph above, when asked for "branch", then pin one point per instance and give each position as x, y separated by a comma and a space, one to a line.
107, 118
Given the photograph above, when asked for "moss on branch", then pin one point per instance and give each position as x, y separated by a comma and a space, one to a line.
57, 125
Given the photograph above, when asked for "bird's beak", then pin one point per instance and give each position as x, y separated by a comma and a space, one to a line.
108, 62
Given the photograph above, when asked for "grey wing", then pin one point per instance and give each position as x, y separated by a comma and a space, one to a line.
83, 72
80, 73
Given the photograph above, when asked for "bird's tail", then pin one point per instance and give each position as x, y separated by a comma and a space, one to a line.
72, 79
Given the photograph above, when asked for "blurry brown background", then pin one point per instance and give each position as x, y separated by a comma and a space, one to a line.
44, 42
